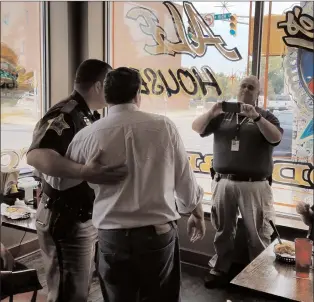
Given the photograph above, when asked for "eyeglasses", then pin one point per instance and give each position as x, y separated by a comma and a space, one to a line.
249, 87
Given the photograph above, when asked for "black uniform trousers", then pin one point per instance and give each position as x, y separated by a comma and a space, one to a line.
68, 259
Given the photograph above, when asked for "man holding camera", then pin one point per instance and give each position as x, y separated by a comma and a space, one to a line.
244, 138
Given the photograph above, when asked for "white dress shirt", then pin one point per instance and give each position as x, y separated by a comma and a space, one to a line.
159, 180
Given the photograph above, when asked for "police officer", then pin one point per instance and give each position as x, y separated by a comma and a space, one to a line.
63, 221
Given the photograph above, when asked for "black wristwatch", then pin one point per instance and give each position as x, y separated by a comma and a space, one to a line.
258, 118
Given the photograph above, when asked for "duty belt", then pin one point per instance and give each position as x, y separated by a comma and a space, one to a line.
60, 202
240, 177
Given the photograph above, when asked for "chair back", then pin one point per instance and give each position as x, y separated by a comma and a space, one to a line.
17, 282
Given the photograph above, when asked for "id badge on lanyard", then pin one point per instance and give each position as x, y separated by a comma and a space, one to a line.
235, 143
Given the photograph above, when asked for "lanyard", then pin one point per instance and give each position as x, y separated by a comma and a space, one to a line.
239, 125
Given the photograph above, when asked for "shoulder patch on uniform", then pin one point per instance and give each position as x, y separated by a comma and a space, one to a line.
69, 106
58, 124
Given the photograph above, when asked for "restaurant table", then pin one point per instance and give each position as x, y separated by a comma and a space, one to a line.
27, 225
268, 276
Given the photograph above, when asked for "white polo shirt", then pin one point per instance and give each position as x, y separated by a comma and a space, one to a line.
159, 179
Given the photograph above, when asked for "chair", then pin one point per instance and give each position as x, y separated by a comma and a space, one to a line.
20, 281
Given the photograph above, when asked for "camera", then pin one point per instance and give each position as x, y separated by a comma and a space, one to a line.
231, 107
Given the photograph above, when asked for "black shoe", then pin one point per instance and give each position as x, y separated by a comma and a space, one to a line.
215, 281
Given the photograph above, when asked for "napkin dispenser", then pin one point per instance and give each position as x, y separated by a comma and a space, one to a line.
28, 184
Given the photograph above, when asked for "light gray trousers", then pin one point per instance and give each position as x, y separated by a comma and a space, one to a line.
255, 202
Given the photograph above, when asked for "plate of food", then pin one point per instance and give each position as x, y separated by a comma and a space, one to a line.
285, 252
16, 212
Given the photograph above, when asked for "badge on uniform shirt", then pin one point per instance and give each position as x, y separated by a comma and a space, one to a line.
87, 121
235, 145
58, 124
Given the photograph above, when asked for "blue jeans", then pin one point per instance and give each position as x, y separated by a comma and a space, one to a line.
139, 265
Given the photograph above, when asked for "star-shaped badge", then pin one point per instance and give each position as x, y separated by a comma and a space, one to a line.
58, 124
87, 121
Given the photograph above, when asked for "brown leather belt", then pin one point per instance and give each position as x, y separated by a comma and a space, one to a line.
240, 178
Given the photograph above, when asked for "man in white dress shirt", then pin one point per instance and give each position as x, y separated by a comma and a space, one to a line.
136, 219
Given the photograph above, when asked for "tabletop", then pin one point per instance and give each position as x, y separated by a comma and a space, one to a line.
265, 274
28, 225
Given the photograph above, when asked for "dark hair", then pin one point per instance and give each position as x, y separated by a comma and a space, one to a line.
91, 71
122, 85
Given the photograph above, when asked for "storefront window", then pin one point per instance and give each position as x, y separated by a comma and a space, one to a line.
287, 90
21, 96
199, 62
192, 54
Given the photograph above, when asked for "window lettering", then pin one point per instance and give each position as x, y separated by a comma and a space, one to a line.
194, 45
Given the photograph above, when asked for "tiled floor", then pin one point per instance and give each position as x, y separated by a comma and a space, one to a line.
193, 289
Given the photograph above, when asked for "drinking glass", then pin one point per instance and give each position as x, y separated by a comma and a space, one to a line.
303, 257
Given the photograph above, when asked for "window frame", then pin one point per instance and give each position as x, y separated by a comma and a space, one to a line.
45, 57
43, 85
44, 63
44, 80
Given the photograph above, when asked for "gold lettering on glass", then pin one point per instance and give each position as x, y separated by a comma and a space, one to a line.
194, 44
299, 29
